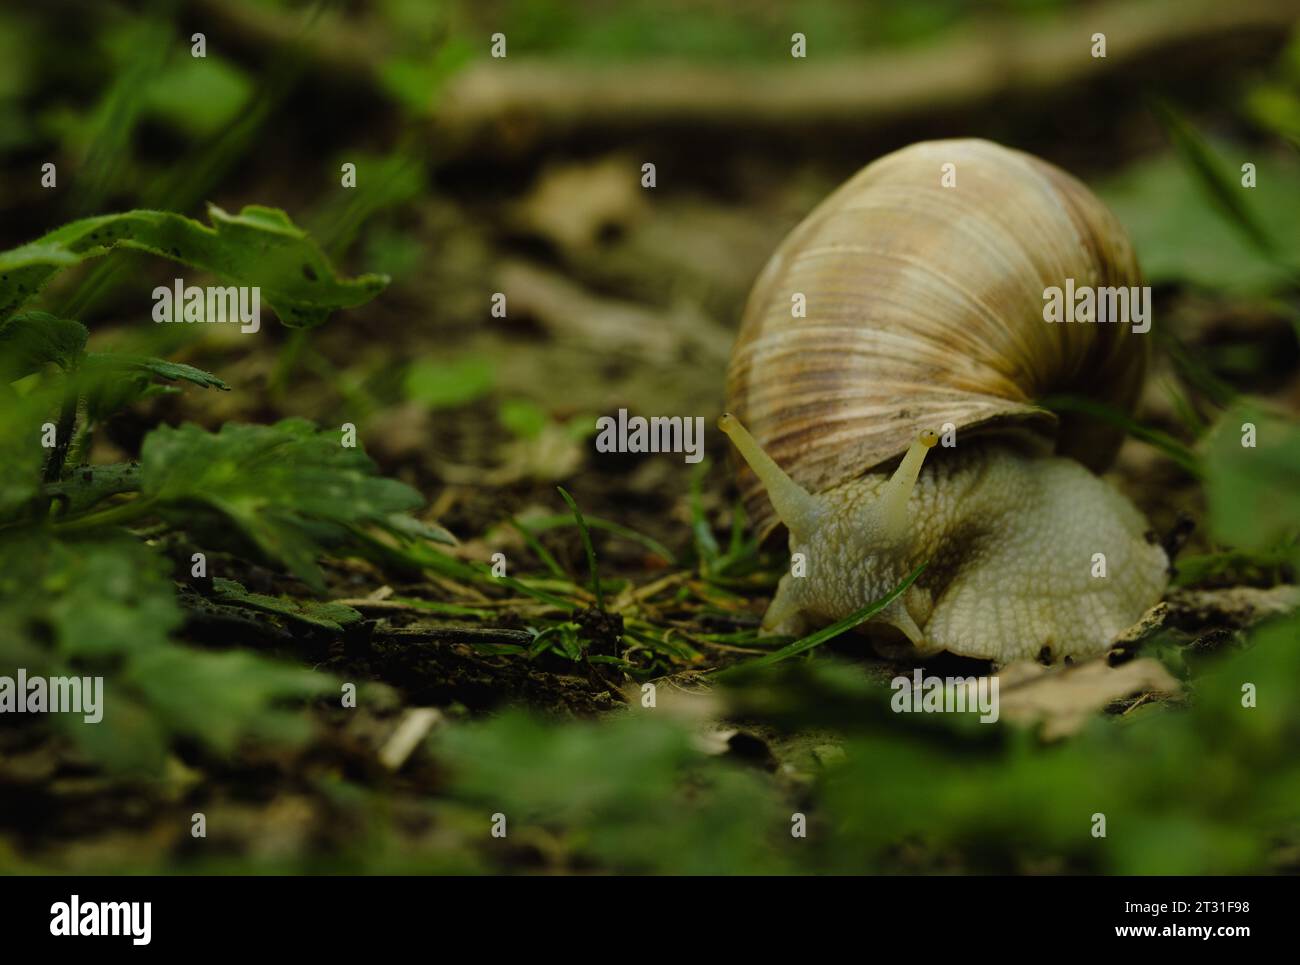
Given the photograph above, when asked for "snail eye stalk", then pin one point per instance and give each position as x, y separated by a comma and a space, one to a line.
795, 506
892, 505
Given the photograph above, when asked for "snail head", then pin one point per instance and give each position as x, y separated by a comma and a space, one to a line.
882, 523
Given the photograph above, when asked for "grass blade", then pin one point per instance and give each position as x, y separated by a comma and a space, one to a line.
543, 523
586, 544
540, 551
805, 644
1223, 191
1163, 441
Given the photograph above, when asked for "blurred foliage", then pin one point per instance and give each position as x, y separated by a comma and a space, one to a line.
747, 31
1274, 103
1194, 243
260, 247
445, 384
103, 605
1252, 464
79, 595
285, 493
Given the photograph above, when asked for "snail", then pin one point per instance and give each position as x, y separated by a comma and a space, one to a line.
924, 315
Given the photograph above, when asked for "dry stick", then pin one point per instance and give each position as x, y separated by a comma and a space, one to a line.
456, 635
993, 59
413, 728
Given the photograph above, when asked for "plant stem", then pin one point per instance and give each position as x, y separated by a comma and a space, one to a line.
62, 438
118, 515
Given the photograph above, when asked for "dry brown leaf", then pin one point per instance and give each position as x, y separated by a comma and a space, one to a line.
575, 205
1062, 699
1236, 606
604, 325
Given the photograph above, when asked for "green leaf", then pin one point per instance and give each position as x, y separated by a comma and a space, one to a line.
1252, 491
122, 365
198, 95
106, 607
21, 453
86, 599
327, 616
108, 598
540, 551
106, 384
289, 490
619, 787
220, 697
706, 547
1276, 106
522, 417
1223, 190
129, 738
1181, 238
410, 528
258, 247
445, 385
33, 340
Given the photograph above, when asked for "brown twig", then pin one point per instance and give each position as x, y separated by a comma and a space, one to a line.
456, 635
996, 61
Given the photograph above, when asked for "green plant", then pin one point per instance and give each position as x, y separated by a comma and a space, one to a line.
80, 592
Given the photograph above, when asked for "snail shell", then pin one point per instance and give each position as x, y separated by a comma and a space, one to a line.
925, 307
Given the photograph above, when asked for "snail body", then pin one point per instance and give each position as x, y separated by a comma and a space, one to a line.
925, 314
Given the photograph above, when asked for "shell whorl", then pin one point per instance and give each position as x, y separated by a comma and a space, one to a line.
925, 306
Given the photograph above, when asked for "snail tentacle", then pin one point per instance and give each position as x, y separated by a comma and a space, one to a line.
892, 505
794, 505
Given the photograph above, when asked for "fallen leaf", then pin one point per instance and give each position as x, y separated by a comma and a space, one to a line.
1062, 699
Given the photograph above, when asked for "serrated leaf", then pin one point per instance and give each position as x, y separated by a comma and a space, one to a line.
109, 383
157, 368
328, 616
258, 247
288, 489
32, 340
103, 397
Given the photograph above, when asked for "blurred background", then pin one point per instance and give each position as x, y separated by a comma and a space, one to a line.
521, 175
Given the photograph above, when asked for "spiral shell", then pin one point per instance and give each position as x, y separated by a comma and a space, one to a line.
925, 307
